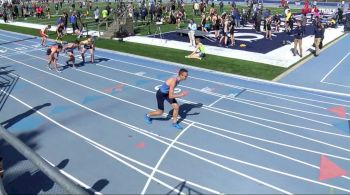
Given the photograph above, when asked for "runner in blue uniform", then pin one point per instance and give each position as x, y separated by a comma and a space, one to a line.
166, 92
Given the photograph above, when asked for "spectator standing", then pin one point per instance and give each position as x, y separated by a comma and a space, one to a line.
143, 12
298, 36
65, 19
303, 23
47, 9
73, 21
108, 8
4, 15
224, 33
268, 28
97, 14
192, 27
56, 8
221, 6
340, 15
318, 32
287, 21
178, 16
104, 14
277, 22
196, 8
231, 29
73, 6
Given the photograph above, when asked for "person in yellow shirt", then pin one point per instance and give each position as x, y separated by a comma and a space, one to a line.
199, 51
104, 14
288, 18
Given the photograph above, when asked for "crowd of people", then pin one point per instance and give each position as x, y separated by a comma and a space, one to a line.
213, 17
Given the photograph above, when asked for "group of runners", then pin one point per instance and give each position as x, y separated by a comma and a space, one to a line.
53, 51
165, 92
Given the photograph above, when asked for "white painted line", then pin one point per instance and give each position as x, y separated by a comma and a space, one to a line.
222, 96
283, 131
233, 99
215, 111
285, 113
142, 132
340, 85
216, 101
281, 123
74, 178
135, 168
219, 95
328, 97
131, 127
144, 190
146, 134
293, 109
262, 167
331, 145
335, 67
295, 97
200, 69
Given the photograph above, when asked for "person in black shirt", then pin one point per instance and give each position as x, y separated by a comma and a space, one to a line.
277, 22
318, 32
298, 36
268, 28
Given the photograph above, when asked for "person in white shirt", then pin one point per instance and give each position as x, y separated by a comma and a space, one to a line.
196, 8
97, 14
192, 27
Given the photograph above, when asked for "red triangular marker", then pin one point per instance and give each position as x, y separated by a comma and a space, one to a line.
338, 110
140, 145
329, 170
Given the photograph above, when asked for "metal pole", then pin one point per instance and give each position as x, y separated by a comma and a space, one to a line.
52, 172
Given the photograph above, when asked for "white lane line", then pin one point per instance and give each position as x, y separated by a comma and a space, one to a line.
264, 168
271, 94
255, 80
144, 133
206, 106
267, 141
136, 169
328, 97
218, 112
210, 93
173, 141
228, 168
336, 84
144, 190
216, 101
215, 94
225, 97
282, 123
141, 131
188, 120
335, 67
74, 178
292, 109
